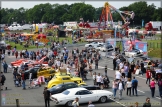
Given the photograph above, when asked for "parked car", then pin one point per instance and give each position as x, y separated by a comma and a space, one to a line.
84, 95
93, 44
15, 27
63, 86
33, 71
105, 48
134, 53
58, 79
46, 72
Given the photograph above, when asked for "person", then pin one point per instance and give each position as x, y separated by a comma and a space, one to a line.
136, 104
90, 104
94, 78
148, 75
106, 81
23, 78
2, 80
47, 95
118, 75
105, 70
120, 87
129, 86
160, 87
152, 87
134, 85
98, 79
114, 87
5, 66
147, 103
76, 102
114, 64
142, 67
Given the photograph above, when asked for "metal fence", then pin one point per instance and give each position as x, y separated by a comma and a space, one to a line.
154, 45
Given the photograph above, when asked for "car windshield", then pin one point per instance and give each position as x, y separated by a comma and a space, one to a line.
66, 92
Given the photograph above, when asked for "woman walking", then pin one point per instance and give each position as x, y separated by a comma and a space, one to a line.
120, 87
152, 87
129, 86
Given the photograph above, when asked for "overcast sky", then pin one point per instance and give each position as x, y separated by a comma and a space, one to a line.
30, 4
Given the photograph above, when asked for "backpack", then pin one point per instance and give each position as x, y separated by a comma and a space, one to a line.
160, 83
3, 78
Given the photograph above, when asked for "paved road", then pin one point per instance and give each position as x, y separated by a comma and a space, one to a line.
34, 97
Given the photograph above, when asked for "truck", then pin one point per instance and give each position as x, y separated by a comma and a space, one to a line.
153, 26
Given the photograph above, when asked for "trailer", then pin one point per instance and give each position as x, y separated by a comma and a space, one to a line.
153, 25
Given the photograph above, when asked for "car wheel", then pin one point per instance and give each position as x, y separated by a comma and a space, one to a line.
103, 99
69, 103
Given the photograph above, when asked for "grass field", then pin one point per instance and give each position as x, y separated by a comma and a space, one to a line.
21, 47
155, 47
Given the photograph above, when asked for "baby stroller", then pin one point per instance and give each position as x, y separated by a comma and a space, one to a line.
35, 83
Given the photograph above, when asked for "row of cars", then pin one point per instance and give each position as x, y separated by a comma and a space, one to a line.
100, 46
107, 47
71, 87
66, 87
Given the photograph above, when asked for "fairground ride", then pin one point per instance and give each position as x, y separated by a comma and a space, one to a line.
106, 16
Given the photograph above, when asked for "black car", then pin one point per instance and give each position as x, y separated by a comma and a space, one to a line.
62, 87
33, 71
91, 87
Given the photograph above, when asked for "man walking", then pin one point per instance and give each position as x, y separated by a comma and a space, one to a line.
134, 85
47, 95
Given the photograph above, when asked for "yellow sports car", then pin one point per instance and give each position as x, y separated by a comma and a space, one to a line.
46, 72
63, 78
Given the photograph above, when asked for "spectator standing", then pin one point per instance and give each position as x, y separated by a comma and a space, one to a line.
114, 64
129, 86
5, 66
114, 87
160, 87
152, 87
120, 87
76, 102
142, 67
148, 75
134, 85
23, 78
2, 80
94, 78
47, 95
90, 104
147, 103
99, 79
105, 70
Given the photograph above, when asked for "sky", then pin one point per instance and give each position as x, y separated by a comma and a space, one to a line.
96, 4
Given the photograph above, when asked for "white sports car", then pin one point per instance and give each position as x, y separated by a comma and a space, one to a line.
134, 53
84, 95
93, 44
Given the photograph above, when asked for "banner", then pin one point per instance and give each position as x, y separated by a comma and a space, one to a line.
142, 46
112, 42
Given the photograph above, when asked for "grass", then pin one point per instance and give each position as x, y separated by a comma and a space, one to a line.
21, 47
156, 47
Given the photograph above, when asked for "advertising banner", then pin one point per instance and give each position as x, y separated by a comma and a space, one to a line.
142, 46
112, 42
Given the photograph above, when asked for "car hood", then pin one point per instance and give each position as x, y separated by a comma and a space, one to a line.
101, 92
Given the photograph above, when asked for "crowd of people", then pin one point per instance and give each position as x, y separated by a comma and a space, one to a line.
80, 62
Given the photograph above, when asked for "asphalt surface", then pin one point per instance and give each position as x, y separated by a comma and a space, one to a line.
34, 97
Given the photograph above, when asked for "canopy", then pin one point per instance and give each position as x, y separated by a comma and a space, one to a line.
41, 36
55, 26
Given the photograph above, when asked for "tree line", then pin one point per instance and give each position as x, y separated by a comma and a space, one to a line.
56, 13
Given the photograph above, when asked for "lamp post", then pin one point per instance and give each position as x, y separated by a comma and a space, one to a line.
133, 24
